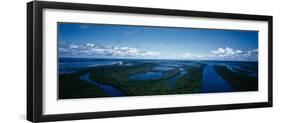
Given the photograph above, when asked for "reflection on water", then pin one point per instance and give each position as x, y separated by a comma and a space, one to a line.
147, 75
87, 64
163, 68
71, 65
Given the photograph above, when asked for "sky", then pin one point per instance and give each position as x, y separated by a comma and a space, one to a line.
144, 42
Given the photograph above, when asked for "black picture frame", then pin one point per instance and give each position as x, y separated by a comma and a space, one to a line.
35, 69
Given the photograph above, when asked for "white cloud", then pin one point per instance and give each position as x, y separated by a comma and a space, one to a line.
95, 50
238, 51
91, 49
252, 52
150, 53
226, 52
191, 56
234, 54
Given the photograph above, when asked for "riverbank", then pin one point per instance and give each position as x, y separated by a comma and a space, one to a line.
240, 82
72, 87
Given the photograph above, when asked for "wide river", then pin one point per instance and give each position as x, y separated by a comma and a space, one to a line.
212, 82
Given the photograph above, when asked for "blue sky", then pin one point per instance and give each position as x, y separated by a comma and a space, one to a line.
121, 41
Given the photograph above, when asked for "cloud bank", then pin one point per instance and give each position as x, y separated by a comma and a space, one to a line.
223, 54
95, 50
235, 54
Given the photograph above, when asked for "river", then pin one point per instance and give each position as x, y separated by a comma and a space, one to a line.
212, 82
110, 90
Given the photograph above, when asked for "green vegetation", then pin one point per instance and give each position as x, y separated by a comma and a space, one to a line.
70, 87
191, 82
171, 73
242, 71
118, 76
239, 81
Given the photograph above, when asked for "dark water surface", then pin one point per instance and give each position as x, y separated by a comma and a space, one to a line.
212, 82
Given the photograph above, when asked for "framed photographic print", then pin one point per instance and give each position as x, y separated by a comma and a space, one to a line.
95, 61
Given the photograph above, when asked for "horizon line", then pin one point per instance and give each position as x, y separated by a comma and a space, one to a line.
159, 59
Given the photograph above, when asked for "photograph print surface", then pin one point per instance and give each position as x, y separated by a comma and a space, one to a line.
105, 60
